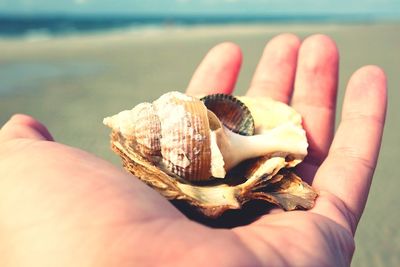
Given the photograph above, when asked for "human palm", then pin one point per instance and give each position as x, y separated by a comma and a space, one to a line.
60, 206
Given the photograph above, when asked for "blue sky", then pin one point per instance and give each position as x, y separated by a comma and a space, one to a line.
380, 7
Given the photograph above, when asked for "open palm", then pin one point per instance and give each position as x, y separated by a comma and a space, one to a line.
60, 206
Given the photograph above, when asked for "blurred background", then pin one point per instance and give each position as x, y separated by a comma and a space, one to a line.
69, 63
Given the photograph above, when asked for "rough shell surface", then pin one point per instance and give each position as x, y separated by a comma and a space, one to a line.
268, 178
172, 132
185, 136
139, 130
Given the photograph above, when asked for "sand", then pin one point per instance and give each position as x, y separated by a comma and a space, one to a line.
71, 83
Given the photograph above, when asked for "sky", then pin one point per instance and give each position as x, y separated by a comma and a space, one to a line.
240, 7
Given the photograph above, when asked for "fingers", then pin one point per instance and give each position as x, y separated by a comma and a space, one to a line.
24, 126
315, 94
218, 71
347, 172
275, 72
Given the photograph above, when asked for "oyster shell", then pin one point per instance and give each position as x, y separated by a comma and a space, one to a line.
194, 145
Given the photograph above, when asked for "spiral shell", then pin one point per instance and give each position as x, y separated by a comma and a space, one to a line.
185, 136
138, 130
172, 132
176, 141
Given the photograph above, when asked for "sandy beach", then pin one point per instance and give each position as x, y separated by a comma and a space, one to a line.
71, 83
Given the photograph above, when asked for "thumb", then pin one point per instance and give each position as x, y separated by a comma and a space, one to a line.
24, 126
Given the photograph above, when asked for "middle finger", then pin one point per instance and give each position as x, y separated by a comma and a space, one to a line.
315, 93
275, 72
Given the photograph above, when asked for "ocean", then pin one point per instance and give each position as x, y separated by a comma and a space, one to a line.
43, 26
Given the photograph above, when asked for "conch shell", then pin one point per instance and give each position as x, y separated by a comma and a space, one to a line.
216, 153
172, 132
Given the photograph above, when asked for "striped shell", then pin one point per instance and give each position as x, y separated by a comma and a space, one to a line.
185, 136
139, 130
176, 141
173, 132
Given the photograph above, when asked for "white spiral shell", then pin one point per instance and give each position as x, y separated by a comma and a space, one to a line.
172, 132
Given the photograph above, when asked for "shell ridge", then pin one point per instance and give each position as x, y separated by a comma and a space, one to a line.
183, 134
232, 112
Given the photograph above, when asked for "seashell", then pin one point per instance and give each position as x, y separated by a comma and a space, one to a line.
268, 113
191, 145
185, 136
139, 130
233, 114
176, 126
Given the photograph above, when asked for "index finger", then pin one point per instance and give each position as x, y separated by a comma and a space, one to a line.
218, 71
275, 72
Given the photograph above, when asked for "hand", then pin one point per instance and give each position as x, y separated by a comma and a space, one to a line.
60, 206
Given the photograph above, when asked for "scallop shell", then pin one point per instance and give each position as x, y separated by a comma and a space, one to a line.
268, 177
232, 113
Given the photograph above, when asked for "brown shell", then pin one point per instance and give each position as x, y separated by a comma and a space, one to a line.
185, 136
173, 133
233, 114
268, 178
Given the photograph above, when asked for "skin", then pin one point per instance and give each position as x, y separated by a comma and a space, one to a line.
60, 206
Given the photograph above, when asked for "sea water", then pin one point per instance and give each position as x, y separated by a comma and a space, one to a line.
45, 26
